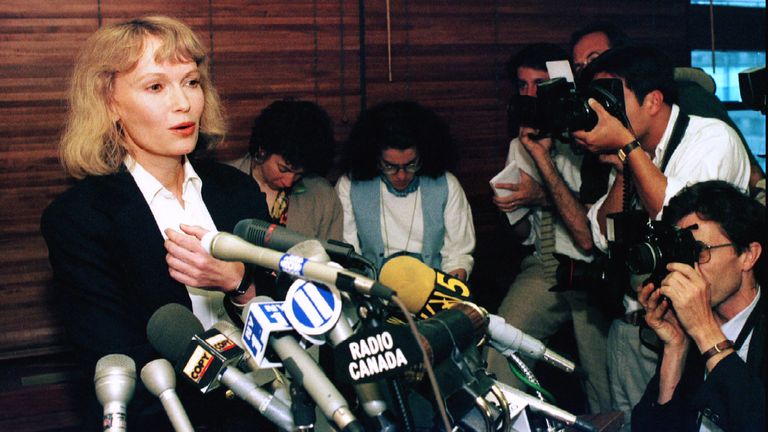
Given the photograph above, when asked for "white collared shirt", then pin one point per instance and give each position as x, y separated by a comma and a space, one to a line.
208, 306
568, 165
407, 227
709, 150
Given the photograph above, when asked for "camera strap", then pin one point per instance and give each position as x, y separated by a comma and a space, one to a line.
678, 130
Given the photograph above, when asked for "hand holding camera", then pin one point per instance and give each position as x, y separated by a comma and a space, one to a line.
536, 145
690, 295
608, 135
661, 318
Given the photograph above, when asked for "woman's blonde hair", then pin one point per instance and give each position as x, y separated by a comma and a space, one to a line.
92, 143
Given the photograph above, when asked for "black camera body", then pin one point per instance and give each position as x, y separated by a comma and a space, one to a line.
662, 244
636, 245
559, 107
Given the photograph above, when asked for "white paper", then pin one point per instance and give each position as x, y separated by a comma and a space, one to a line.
510, 174
560, 69
519, 159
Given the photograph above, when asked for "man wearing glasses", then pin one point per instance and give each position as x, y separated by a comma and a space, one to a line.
710, 318
397, 194
654, 153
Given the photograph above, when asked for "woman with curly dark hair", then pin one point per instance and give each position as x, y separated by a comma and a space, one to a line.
291, 149
397, 194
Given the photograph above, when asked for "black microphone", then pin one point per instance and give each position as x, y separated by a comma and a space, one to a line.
426, 291
279, 238
207, 360
258, 315
160, 379
377, 353
115, 381
229, 247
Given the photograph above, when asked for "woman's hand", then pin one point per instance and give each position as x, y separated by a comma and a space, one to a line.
191, 265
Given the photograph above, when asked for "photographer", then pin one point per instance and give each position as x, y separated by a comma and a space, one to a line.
661, 150
710, 318
529, 304
695, 91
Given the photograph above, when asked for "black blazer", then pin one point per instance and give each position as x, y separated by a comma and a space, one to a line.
733, 396
109, 265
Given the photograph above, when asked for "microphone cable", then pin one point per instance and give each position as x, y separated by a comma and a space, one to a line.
427, 364
529, 379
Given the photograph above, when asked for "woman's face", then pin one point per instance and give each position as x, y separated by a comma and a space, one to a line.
158, 106
277, 173
400, 166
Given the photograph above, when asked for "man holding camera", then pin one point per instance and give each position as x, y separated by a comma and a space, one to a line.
556, 224
711, 319
695, 95
657, 150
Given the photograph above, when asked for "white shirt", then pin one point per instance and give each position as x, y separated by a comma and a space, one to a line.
709, 150
731, 330
402, 212
568, 164
208, 306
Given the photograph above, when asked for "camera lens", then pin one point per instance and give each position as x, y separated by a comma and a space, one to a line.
643, 258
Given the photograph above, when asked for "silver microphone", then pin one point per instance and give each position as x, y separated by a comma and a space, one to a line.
115, 381
229, 247
159, 378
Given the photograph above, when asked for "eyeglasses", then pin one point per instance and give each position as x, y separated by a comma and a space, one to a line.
392, 169
705, 253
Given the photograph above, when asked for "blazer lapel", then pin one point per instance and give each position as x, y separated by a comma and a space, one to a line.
140, 243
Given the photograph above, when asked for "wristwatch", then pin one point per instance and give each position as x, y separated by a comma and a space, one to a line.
627, 149
717, 349
245, 283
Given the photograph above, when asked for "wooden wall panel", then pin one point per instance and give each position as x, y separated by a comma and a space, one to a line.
449, 55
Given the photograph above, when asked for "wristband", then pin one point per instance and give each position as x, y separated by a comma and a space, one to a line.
244, 285
717, 349
627, 149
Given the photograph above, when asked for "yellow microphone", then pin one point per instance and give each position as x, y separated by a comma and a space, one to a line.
424, 290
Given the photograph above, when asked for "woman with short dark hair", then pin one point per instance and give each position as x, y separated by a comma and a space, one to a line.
291, 149
398, 195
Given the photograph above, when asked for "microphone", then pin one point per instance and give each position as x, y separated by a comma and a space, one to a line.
205, 359
315, 310
229, 247
279, 238
115, 381
507, 340
425, 291
159, 378
549, 410
300, 366
390, 349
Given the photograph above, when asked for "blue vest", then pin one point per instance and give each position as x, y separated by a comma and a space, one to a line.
366, 204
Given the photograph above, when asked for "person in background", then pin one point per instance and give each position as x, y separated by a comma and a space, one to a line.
711, 319
125, 240
398, 195
695, 96
529, 304
290, 150
658, 149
